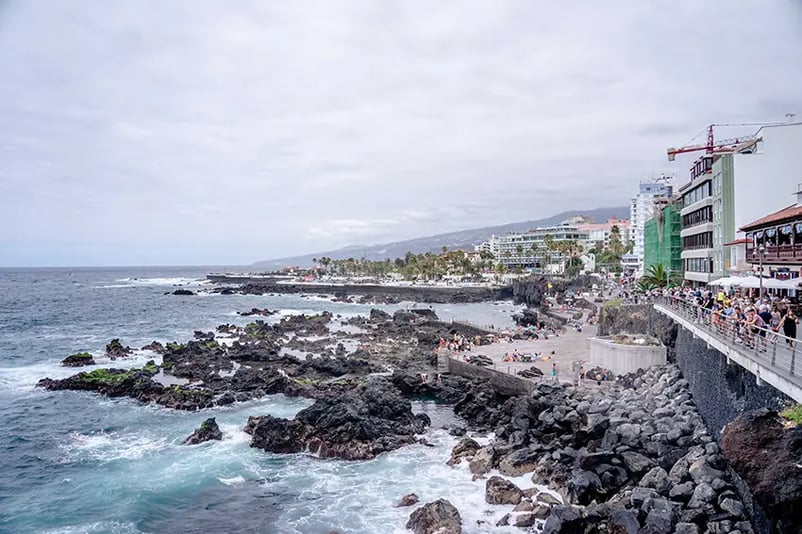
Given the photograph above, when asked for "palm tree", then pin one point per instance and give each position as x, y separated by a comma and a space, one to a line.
656, 275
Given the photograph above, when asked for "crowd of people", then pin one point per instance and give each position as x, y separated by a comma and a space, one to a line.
752, 321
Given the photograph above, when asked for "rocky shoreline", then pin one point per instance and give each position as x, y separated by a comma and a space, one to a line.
631, 458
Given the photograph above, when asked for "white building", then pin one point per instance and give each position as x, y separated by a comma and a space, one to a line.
599, 233
642, 208
531, 249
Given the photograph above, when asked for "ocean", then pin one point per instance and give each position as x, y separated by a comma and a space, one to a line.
74, 462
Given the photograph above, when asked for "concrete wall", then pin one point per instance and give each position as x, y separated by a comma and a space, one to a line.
622, 359
507, 384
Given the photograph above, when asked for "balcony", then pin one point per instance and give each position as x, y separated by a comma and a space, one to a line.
790, 254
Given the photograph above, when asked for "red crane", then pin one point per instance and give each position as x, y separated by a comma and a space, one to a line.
724, 145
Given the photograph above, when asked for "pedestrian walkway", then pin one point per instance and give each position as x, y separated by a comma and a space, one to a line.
771, 357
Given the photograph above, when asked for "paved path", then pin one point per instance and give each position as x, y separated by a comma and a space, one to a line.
570, 347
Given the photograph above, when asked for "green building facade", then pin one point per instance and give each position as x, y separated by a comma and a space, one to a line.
662, 243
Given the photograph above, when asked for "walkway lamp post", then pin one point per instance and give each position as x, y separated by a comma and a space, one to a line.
759, 254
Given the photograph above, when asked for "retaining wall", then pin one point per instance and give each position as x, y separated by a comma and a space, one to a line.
508, 384
622, 359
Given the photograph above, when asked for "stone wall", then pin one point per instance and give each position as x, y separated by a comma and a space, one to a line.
507, 384
722, 391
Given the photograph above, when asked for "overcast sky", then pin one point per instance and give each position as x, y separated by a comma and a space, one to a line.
192, 132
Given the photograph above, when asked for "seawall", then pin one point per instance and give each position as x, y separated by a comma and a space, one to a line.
505, 383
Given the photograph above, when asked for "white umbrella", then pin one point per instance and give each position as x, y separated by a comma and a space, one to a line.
727, 281
754, 282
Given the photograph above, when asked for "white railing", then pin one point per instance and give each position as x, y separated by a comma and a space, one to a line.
769, 348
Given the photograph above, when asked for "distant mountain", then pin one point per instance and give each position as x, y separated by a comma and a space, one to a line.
465, 239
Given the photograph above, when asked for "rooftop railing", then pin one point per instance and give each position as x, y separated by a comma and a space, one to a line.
764, 345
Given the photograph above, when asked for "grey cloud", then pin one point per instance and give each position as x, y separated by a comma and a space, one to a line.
230, 133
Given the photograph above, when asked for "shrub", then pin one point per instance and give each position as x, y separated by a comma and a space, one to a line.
793, 414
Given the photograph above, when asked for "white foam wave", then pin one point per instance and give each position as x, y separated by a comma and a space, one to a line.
110, 446
106, 527
161, 281
233, 481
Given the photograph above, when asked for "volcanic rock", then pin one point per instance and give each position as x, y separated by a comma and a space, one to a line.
438, 517
767, 456
78, 359
353, 425
207, 431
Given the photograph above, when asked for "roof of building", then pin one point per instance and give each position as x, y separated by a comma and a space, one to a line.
791, 212
741, 241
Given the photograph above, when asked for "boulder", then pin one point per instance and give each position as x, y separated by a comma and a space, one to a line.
78, 359
499, 490
635, 462
767, 455
465, 448
564, 520
482, 462
520, 461
657, 479
207, 431
438, 517
623, 522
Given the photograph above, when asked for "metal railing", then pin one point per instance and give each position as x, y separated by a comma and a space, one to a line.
763, 345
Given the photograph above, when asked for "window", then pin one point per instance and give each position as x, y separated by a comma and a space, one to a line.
697, 241
696, 194
760, 239
771, 237
700, 216
785, 237
699, 265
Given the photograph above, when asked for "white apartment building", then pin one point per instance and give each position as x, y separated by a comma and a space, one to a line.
530, 249
642, 209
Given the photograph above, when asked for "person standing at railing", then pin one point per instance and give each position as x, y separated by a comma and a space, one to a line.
789, 322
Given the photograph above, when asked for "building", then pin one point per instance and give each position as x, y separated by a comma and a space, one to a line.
642, 209
727, 191
535, 249
662, 240
774, 242
599, 233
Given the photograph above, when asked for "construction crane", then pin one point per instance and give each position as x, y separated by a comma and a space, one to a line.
724, 145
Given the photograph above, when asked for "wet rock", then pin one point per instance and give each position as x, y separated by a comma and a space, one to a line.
207, 431
156, 347
499, 490
115, 349
408, 500
78, 359
355, 424
183, 292
482, 462
438, 517
520, 461
465, 448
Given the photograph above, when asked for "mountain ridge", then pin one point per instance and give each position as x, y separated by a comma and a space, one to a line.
464, 239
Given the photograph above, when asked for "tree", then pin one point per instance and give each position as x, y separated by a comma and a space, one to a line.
656, 275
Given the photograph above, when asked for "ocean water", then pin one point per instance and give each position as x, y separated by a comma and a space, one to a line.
74, 462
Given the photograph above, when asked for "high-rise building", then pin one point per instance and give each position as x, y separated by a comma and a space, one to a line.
662, 241
642, 208
729, 190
